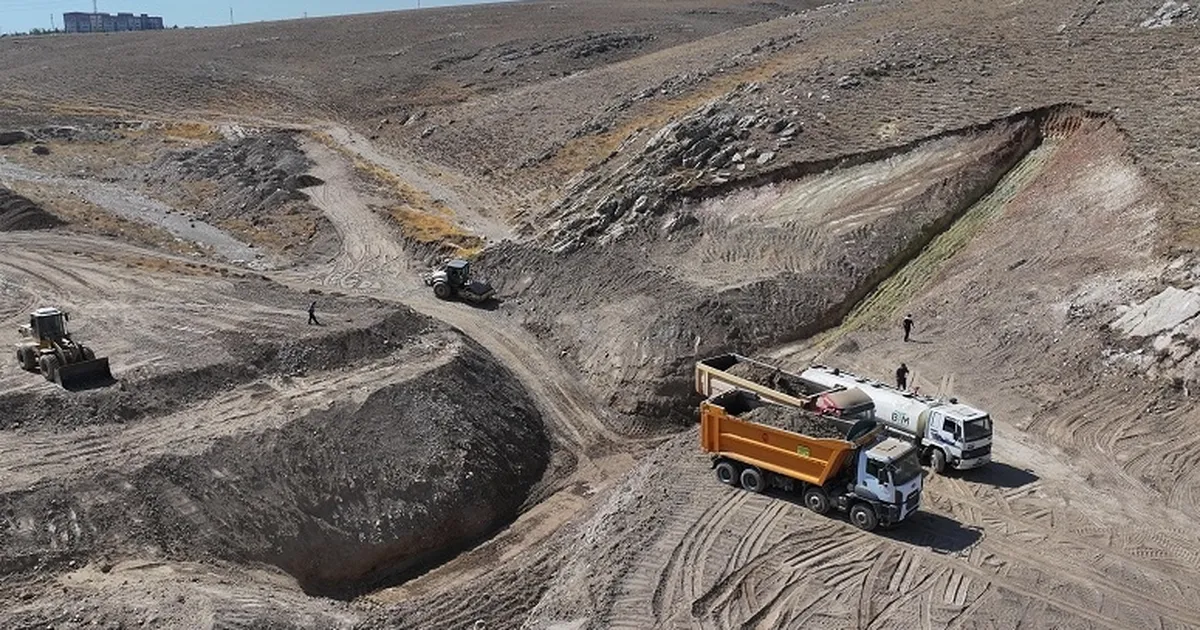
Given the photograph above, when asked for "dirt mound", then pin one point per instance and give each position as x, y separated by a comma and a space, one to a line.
795, 420
21, 213
252, 186
362, 493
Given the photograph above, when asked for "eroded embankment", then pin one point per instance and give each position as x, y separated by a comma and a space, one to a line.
638, 320
343, 499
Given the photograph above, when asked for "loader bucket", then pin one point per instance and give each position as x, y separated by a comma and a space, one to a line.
84, 373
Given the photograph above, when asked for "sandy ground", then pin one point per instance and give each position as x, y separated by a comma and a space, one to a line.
531, 463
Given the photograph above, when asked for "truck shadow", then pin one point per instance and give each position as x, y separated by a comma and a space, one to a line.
999, 475
488, 305
935, 532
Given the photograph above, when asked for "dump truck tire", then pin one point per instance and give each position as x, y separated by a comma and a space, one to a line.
727, 473
816, 500
753, 480
937, 461
863, 517
441, 290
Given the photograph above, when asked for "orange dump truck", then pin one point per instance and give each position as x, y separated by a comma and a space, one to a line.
876, 479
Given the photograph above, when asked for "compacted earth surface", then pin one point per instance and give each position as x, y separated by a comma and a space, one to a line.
644, 185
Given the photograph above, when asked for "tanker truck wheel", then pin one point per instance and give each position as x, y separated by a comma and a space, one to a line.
816, 500
727, 473
937, 461
753, 480
863, 516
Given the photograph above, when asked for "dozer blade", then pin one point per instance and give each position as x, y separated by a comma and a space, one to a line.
84, 373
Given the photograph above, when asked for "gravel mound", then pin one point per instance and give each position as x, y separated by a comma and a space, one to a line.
20, 213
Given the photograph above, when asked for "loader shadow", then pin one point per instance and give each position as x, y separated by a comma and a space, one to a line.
490, 305
935, 532
999, 475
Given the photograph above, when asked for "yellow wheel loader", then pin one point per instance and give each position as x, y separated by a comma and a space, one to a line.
49, 348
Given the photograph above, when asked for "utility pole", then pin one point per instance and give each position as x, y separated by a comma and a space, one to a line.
52, 26
94, 9
231, 15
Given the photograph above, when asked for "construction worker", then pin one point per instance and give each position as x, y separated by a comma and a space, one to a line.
902, 377
908, 324
312, 314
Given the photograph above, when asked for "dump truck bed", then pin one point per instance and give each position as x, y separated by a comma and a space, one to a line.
809, 459
726, 372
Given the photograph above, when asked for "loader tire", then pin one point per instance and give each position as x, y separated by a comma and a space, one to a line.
28, 357
49, 366
727, 473
442, 290
753, 480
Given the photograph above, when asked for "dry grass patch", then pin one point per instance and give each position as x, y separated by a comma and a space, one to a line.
431, 229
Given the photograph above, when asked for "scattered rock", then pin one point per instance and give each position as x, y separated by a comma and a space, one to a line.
765, 157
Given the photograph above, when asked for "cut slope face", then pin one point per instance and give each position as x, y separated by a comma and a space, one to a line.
366, 491
651, 291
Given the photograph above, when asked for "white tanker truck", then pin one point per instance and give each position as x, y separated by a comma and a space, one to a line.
948, 433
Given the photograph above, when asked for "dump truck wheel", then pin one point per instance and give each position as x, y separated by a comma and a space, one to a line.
937, 461
863, 517
727, 473
816, 500
753, 481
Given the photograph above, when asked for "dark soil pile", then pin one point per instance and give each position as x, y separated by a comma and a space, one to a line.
794, 420
252, 186
21, 213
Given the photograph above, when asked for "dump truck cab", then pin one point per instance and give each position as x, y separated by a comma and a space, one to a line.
889, 473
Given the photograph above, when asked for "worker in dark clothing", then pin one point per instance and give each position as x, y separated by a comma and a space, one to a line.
908, 324
902, 377
312, 314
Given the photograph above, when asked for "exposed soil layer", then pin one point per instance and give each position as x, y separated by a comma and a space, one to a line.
356, 495
20, 213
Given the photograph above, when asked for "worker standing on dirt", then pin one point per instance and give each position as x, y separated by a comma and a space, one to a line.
902, 377
908, 324
312, 314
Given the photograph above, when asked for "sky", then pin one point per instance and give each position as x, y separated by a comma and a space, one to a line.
22, 15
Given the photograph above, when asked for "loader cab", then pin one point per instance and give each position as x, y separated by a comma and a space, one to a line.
458, 272
48, 323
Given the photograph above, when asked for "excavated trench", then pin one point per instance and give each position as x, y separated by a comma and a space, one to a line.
645, 310
367, 491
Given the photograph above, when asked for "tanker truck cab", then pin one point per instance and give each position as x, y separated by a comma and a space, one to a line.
958, 436
889, 476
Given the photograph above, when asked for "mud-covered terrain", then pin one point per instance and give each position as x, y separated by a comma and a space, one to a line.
645, 184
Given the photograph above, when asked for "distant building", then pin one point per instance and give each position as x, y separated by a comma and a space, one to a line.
79, 22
